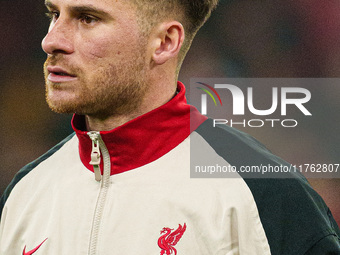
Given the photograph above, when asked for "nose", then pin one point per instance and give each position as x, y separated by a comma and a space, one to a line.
59, 39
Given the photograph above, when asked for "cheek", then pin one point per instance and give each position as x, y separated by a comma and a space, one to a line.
100, 48
112, 46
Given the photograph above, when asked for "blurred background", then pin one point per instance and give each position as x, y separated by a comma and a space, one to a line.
243, 38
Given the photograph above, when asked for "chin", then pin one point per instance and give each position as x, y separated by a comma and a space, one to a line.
61, 105
60, 108
60, 101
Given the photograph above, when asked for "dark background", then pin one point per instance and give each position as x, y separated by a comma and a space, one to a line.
244, 38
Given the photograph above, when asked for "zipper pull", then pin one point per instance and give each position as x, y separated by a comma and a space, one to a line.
95, 155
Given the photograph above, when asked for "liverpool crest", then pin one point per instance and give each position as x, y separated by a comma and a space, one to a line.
169, 239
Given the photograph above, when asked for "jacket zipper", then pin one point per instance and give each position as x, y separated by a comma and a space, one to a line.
99, 148
95, 155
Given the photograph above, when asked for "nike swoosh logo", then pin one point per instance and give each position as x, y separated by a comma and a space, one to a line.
32, 251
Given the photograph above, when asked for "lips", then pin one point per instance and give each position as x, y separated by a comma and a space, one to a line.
58, 74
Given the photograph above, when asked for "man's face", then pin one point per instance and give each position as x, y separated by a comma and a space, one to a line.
96, 57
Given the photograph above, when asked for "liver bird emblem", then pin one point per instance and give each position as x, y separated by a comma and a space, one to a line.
169, 239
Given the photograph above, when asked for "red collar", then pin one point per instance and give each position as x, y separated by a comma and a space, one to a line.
145, 138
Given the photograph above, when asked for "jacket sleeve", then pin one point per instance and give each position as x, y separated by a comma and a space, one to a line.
27, 169
329, 245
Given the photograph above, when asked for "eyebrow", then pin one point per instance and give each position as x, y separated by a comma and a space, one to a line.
82, 9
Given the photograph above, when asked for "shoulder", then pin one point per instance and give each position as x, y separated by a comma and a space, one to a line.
294, 217
28, 168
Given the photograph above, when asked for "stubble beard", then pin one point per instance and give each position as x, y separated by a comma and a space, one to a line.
113, 90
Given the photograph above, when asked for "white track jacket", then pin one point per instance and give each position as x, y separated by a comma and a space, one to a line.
132, 191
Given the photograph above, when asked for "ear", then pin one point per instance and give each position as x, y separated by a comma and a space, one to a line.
167, 41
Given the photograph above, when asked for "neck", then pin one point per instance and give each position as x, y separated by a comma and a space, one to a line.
154, 99
98, 124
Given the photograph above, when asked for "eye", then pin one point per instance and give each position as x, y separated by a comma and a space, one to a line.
88, 19
52, 15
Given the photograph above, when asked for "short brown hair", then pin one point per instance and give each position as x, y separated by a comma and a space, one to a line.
191, 13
